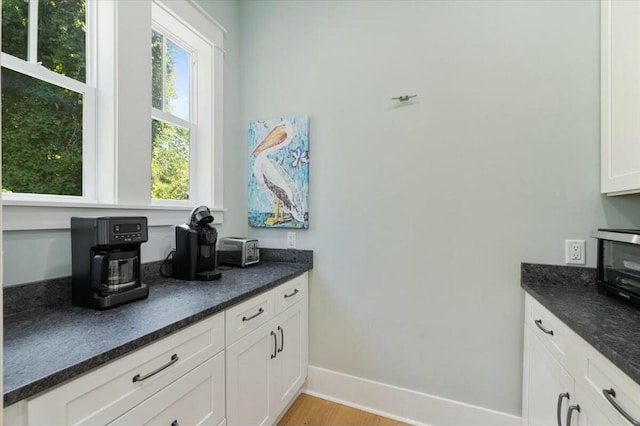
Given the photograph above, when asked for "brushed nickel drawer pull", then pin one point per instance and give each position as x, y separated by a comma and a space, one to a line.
281, 339
275, 345
539, 324
610, 394
244, 319
286, 296
139, 378
570, 413
559, 407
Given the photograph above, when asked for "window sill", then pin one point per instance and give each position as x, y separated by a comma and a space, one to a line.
37, 215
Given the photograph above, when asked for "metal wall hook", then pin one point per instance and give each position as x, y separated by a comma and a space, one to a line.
404, 98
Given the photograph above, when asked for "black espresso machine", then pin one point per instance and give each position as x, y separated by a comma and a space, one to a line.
105, 260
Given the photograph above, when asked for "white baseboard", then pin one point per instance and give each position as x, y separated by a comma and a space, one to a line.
400, 404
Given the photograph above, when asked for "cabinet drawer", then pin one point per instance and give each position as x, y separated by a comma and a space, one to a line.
248, 315
198, 398
552, 332
601, 375
290, 292
106, 393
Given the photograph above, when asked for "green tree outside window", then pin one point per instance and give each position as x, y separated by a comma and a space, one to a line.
41, 122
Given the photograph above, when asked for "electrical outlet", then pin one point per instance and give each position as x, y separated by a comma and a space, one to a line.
574, 252
291, 240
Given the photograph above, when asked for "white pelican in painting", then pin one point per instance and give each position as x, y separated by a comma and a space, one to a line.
275, 177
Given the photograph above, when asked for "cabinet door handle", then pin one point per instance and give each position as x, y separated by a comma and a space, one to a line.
610, 394
570, 413
539, 324
286, 296
281, 339
559, 407
245, 319
139, 378
275, 345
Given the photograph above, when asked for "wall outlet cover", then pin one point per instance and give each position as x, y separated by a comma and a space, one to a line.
291, 240
574, 252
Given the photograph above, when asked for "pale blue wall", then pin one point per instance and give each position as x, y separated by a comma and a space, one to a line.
421, 214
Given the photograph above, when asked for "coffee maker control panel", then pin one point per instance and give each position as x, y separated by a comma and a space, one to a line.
130, 230
127, 232
109, 230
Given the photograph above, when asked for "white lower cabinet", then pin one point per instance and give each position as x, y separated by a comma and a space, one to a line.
584, 412
188, 378
290, 364
267, 368
249, 378
197, 398
109, 392
551, 396
547, 384
574, 386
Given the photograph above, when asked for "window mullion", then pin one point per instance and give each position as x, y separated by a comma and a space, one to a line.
32, 50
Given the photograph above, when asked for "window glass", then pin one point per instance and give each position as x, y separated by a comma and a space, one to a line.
41, 137
156, 69
170, 161
177, 81
61, 37
15, 18
172, 132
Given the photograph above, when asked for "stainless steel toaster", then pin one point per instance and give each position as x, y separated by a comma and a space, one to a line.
238, 251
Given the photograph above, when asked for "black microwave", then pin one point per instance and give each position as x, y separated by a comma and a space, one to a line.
618, 269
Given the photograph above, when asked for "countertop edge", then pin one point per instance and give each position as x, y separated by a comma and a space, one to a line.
62, 376
619, 361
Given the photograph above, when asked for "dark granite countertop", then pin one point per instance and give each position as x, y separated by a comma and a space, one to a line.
48, 345
609, 324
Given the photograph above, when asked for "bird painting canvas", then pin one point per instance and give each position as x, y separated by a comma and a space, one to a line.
279, 172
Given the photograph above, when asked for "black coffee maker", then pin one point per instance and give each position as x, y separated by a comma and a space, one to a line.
105, 260
195, 256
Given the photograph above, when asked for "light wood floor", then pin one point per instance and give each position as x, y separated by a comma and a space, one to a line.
309, 410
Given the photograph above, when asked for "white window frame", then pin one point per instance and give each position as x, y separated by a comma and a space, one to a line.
209, 71
200, 98
33, 68
121, 188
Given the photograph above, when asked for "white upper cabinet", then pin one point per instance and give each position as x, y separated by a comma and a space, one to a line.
620, 97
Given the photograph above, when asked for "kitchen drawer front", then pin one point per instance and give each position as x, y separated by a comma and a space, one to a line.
104, 394
554, 334
198, 398
248, 315
600, 375
291, 292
